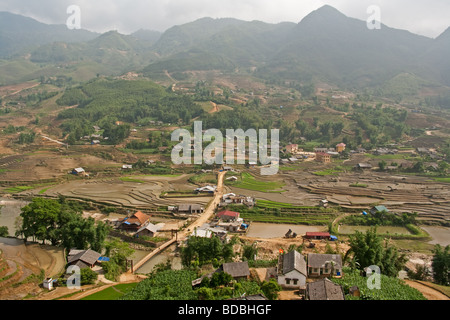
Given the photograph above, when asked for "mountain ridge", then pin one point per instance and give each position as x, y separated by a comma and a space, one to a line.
326, 45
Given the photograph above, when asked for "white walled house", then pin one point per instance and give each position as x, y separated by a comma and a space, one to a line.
291, 273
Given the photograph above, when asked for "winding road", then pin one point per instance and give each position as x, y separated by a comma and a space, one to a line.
203, 218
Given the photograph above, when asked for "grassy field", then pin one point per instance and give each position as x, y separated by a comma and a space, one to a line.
285, 213
17, 189
331, 171
251, 183
112, 293
129, 179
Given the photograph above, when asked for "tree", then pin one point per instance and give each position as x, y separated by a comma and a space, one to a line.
62, 224
441, 264
443, 167
220, 279
249, 252
39, 219
118, 253
367, 249
382, 165
88, 276
271, 289
4, 231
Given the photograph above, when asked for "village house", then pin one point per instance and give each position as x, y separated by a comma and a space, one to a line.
149, 230
340, 147
291, 270
292, 148
362, 166
231, 198
186, 208
133, 223
377, 209
83, 258
323, 157
324, 265
78, 171
201, 233
48, 283
324, 150
324, 289
227, 215
238, 270
317, 236
127, 167
206, 189
232, 226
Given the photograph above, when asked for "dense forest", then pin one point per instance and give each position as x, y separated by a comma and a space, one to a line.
105, 102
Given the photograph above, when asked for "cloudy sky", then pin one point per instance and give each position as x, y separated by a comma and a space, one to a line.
429, 18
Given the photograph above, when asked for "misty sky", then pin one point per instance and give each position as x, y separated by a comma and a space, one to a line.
429, 18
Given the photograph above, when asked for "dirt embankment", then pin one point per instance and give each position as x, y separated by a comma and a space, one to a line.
428, 292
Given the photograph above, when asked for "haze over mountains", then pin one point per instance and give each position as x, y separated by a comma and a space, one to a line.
326, 45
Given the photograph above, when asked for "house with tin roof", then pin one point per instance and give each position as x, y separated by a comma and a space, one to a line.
291, 270
324, 289
324, 265
238, 270
83, 258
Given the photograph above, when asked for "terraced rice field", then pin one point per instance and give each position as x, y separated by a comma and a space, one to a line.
142, 191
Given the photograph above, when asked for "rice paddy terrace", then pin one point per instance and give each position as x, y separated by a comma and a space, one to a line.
430, 199
141, 192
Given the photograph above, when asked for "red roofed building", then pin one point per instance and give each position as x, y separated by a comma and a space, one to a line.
323, 157
135, 222
340, 147
317, 235
228, 215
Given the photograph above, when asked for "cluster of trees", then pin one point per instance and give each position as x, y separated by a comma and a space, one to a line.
199, 251
325, 131
367, 249
382, 218
60, 222
155, 140
26, 137
221, 286
104, 102
441, 265
379, 125
38, 97
12, 129
118, 253
164, 283
240, 117
440, 101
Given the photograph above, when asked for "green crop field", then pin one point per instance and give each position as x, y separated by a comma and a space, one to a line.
251, 183
390, 288
112, 293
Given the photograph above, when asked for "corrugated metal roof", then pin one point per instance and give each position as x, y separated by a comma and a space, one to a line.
294, 260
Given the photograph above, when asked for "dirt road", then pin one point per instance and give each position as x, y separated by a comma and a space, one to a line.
429, 293
209, 211
204, 217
